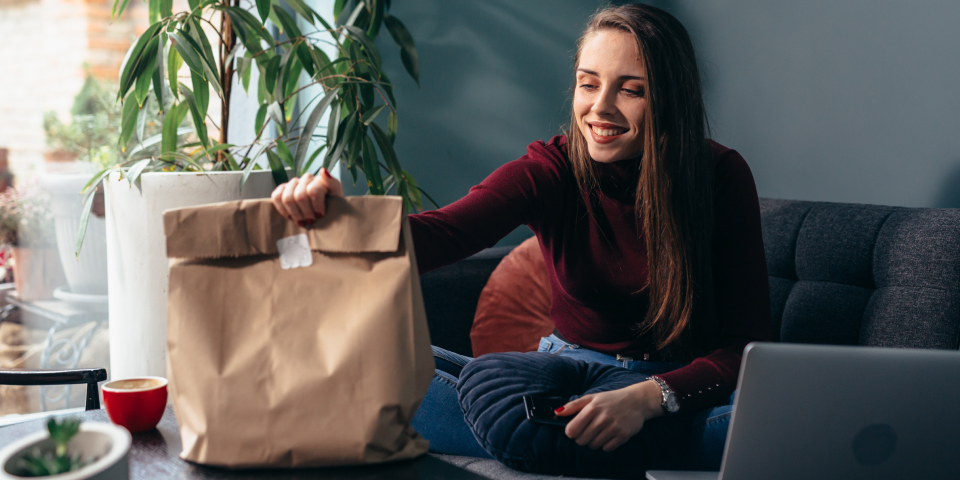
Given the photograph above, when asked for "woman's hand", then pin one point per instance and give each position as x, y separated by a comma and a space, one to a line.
304, 200
608, 419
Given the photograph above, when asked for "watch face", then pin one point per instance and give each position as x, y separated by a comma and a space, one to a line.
672, 405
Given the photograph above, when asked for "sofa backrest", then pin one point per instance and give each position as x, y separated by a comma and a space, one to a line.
853, 274
844, 274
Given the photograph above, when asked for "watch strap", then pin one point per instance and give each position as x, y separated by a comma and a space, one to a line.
669, 403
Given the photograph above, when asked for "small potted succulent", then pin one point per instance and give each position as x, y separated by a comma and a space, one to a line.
69, 450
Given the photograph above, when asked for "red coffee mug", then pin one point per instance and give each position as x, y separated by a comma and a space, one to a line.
136, 403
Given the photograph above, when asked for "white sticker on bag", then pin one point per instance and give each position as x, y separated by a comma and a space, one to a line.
295, 252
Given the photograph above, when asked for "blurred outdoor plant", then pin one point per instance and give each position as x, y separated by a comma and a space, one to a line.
355, 91
25, 217
94, 129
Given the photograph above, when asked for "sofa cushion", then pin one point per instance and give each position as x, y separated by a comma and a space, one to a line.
513, 311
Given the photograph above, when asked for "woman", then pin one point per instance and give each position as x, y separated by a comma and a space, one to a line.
651, 236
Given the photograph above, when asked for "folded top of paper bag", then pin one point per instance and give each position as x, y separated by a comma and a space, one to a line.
253, 227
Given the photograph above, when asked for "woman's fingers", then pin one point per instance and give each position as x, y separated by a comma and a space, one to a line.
573, 406
290, 201
303, 200
606, 433
334, 187
277, 198
317, 191
614, 443
580, 422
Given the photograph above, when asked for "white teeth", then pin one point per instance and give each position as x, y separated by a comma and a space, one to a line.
607, 132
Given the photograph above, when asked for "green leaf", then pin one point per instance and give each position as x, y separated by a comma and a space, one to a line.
263, 8
392, 127
261, 117
285, 155
273, 70
202, 46
174, 62
118, 7
306, 134
288, 107
337, 8
128, 121
344, 137
324, 66
158, 76
371, 115
414, 190
276, 168
291, 78
171, 130
245, 69
387, 86
145, 74
243, 32
369, 48
287, 22
90, 190
199, 123
276, 114
134, 173
135, 56
303, 10
306, 60
141, 122
333, 125
201, 93
371, 168
166, 8
193, 4
408, 51
350, 13
377, 19
187, 52
386, 149
153, 11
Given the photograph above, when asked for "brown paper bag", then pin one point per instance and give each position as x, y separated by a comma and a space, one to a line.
276, 364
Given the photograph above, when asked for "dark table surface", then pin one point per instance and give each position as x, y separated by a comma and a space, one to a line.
156, 455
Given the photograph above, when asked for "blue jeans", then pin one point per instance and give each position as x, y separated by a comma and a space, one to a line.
440, 419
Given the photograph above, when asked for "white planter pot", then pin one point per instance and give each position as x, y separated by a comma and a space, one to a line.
88, 273
108, 443
137, 257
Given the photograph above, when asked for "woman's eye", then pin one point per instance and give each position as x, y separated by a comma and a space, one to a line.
635, 93
587, 86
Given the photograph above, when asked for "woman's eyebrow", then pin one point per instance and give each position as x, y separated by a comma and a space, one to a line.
621, 77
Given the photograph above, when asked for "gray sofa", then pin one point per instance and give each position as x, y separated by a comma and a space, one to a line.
843, 274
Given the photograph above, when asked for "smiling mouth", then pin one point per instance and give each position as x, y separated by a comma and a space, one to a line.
608, 131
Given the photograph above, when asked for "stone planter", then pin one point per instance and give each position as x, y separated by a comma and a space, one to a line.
137, 260
109, 444
88, 273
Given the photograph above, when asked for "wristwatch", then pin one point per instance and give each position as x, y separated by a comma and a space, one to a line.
669, 403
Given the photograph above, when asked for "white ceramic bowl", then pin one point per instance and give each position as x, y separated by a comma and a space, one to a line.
108, 442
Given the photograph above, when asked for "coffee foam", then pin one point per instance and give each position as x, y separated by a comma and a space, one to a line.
135, 384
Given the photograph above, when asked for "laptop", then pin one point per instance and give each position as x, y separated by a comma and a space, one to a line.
829, 412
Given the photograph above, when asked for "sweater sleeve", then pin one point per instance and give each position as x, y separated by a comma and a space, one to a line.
511, 196
741, 289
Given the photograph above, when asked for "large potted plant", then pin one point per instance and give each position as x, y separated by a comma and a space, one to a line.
26, 225
192, 166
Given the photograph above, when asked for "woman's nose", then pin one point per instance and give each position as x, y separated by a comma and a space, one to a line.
605, 102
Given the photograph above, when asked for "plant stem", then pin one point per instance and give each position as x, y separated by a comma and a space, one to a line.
227, 40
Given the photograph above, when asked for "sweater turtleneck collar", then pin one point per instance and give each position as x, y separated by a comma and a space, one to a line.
619, 179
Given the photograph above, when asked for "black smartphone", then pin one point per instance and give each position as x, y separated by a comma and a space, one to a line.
540, 410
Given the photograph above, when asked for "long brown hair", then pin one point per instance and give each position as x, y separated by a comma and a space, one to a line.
674, 201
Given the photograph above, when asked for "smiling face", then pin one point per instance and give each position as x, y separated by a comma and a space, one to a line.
609, 101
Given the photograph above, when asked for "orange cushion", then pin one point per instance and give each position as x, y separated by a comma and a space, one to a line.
513, 312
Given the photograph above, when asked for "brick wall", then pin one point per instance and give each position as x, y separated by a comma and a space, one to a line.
47, 45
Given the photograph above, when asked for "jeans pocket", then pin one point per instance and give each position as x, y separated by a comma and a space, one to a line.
545, 344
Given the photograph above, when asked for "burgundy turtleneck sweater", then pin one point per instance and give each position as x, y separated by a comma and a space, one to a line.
598, 274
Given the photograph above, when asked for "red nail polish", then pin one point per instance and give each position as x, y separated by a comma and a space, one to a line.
309, 223
559, 410
326, 173
302, 223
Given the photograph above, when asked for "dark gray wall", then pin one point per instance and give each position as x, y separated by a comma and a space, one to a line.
852, 101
